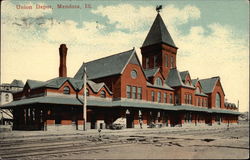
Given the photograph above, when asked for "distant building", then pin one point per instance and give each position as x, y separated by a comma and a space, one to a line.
153, 92
6, 96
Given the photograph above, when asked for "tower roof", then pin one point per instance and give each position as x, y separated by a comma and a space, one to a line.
158, 33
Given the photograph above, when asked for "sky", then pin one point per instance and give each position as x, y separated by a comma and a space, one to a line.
212, 37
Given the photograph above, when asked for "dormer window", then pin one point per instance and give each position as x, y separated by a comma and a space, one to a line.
87, 92
198, 90
158, 81
188, 83
66, 90
103, 94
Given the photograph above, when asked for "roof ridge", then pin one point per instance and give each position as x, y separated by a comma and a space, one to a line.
109, 56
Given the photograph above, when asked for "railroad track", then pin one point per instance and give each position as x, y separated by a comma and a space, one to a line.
57, 150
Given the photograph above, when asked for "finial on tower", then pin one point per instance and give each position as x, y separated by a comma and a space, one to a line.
158, 8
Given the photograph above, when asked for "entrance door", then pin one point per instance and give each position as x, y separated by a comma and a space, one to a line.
130, 120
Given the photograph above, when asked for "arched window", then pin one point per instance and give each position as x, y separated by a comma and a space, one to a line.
103, 94
66, 90
7, 97
218, 100
158, 81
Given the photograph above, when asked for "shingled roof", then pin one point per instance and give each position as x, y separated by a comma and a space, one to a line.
208, 84
17, 83
194, 81
55, 83
107, 66
151, 72
158, 33
174, 79
184, 75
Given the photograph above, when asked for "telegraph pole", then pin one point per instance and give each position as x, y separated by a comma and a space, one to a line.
84, 99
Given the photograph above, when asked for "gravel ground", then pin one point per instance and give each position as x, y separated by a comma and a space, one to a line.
216, 142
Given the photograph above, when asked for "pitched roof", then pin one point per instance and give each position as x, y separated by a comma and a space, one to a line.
174, 79
17, 83
97, 86
158, 33
106, 66
208, 84
151, 72
184, 75
55, 83
194, 81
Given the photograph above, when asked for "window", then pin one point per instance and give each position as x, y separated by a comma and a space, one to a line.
66, 90
128, 90
165, 98
33, 114
198, 90
202, 102
133, 74
218, 100
155, 61
172, 62
158, 81
186, 100
171, 98
199, 102
205, 103
103, 94
7, 98
166, 60
147, 62
153, 96
87, 92
190, 99
134, 92
139, 93
159, 97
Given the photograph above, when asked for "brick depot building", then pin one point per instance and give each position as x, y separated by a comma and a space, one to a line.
119, 86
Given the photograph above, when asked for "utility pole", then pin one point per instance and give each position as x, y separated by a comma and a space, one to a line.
84, 99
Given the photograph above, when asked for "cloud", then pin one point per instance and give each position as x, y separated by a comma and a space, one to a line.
137, 17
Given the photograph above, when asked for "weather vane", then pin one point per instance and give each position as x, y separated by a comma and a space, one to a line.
158, 8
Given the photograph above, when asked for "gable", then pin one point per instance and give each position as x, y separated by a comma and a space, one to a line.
218, 86
135, 61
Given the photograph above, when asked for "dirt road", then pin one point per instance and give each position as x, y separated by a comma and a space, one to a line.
165, 143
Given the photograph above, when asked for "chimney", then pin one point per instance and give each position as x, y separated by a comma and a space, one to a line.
63, 53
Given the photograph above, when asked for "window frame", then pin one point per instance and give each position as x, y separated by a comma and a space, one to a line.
66, 90
159, 97
139, 92
152, 96
128, 91
134, 94
103, 94
217, 100
166, 60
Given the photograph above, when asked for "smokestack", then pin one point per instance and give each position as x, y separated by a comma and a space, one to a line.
63, 53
